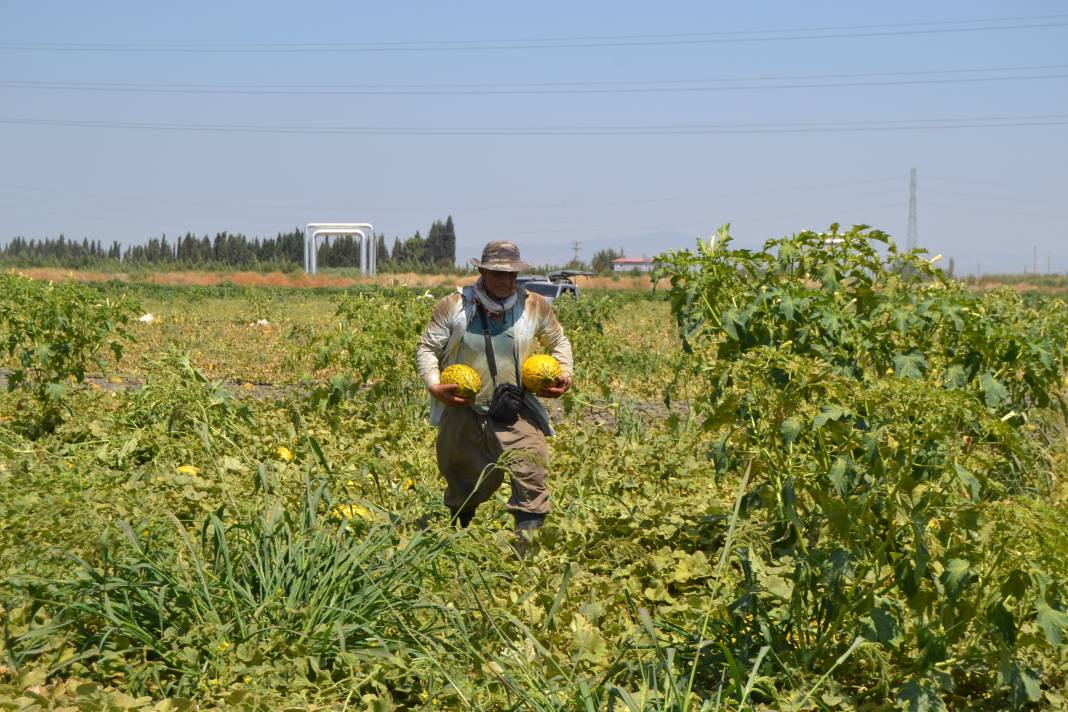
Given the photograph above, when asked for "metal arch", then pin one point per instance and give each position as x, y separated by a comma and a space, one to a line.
338, 232
368, 250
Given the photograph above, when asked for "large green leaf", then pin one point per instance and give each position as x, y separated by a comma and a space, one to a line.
1003, 622
956, 377
790, 429
920, 696
882, 625
994, 391
55, 391
1023, 683
828, 413
969, 482
839, 476
909, 365
956, 576
1051, 621
787, 307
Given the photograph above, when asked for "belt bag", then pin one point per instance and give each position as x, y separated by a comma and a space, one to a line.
507, 400
507, 397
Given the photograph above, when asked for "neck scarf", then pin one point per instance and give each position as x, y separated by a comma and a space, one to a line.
494, 308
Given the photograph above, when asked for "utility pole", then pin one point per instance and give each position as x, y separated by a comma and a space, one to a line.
575, 246
1034, 259
913, 235
1049, 256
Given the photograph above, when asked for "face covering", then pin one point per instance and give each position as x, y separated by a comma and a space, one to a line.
494, 308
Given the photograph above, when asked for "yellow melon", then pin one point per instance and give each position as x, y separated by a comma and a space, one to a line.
465, 377
539, 372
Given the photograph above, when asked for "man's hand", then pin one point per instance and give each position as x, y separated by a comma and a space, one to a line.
446, 393
558, 389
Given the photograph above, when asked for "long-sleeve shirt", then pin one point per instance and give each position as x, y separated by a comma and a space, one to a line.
535, 325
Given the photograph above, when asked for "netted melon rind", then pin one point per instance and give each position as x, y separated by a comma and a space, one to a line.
539, 372
465, 377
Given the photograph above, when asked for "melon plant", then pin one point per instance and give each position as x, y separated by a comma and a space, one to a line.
52, 334
881, 410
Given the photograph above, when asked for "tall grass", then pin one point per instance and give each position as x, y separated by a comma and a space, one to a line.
172, 611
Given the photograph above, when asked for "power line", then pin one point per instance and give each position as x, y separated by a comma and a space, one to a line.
155, 224
991, 196
993, 184
970, 209
572, 87
733, 220
593, 222
467, 208
736, 36
636, 130
584, 83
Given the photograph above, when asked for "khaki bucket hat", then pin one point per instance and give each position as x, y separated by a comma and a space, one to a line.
501, 256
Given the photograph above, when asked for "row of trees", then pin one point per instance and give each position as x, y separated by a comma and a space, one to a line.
286, 250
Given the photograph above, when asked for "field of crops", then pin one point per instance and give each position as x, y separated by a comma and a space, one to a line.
815, 477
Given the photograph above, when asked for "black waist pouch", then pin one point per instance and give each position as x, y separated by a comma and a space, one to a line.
507, 400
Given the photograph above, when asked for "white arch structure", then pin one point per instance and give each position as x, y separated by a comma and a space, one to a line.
364, 231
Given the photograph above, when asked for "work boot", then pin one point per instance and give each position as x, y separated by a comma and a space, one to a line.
527, 521
461, 517
525, 526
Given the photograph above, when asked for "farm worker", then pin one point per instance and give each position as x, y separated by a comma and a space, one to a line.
470, 440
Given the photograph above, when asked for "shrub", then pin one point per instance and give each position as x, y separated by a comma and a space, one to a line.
52, 334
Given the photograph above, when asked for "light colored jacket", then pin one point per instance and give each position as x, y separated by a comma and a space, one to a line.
535, 325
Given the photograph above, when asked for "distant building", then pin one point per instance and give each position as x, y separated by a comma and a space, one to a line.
633, 264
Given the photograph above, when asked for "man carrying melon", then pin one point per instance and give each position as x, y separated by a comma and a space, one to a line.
483, 402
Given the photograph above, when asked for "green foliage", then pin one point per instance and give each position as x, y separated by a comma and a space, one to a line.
51, 334
796, 528
318, 587
362, 343
879, 407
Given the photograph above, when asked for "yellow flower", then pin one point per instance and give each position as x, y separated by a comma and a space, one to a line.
408, 484
224, 646
187, 470
351, 511
284, 453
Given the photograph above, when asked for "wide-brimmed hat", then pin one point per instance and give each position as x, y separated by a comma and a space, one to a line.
501, 256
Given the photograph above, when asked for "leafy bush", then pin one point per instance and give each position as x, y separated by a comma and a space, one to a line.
362, 344
879, 408
52, 334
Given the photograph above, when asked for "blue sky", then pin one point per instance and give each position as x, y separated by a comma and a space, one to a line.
772, 158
